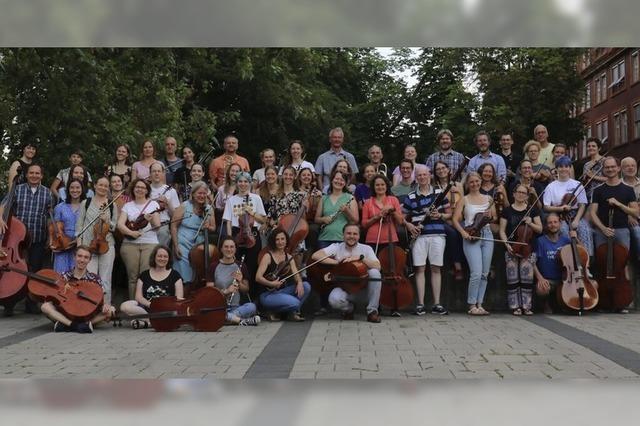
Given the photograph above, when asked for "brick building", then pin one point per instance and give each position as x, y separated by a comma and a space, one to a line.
611, 105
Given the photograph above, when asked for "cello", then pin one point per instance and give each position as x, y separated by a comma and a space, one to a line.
14, 242
78, 300
201, 255
296, 226
615, 290
397, 290
577, 291
350, 276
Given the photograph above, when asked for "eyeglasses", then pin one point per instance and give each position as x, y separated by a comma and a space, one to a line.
522, 192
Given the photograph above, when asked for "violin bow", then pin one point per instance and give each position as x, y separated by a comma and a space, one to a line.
307, 267
95, 219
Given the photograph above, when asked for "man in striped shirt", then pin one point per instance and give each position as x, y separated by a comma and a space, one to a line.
429, 237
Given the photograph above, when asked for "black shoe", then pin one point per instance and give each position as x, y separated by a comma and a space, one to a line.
59, 327
31, 307
82, 327
439, 310
8, 311
419, 310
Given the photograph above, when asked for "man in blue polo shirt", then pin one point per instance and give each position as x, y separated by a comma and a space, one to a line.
327, 160
483, 143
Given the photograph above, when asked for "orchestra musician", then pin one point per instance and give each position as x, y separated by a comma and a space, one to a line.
541, 135
279, 296
363, 190
267, 158
295, 158
478, 253
375, 156
166, 197
185, 227
630, 177
593, 168
547, 269
519, 268
141, 168
541, 172
337, 208
171, 161
96, 209
430, 240
377, 209
78, 273
136, 249
78, 172
410, 153
159, 279
219, 165
20, 166
121, 165
326, 160
451, 158
231, 279
483, 143
182, 176
32, 204
67, 213
62, 178
350, 250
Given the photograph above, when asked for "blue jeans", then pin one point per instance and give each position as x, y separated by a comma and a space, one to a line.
246, 310
478, 254
285, 299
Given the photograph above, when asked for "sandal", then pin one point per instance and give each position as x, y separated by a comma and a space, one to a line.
139, 324
517, 312
474, 311
482, 311
528, 312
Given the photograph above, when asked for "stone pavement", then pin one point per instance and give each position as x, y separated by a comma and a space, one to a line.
453, 346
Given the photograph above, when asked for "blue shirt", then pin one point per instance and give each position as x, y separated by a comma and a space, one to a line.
416, 205
32, 209
497, 161
327, 160
546, 251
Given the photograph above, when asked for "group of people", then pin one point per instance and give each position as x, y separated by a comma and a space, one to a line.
151, 213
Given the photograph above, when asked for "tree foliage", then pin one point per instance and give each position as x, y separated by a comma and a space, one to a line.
94, 99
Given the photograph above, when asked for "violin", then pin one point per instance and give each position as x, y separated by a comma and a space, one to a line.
246, 237
397, 291
479, 221
314, 199
99, 244
14, 242
498, 200
614, 288
140, 222
204, 310
283, 268
350, 276
58, 240
524, 234
78, 300
577, 292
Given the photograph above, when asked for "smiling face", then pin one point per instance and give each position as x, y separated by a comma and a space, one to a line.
338, 182
200, 196
157, 172
295, 150
473, 183
281, 241
379, 186
187, 154
270, 176
82, 257
148, 150
29, 152
351, 235
410, 153
122, 153
116, 183
34, 175
533, 152
288, 176
306, 177
445, 142
229, 249
487, 174
162, 259
75, 190
268, 158
102, 187
197, 172
369, 172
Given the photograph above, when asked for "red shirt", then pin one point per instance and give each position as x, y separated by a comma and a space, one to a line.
370, 209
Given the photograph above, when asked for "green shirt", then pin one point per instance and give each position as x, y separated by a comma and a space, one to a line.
333, 231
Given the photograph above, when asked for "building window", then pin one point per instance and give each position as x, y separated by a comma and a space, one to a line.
586, 104
603, 86
636, 121
624, 127
598, 91
602, 130
617, 77
635, 66
616, 128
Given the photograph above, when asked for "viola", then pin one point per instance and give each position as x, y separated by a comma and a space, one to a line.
246, 237
614, 288
78, 300
14, 242
577, 292
140, 222
397, 291
350, 276
204, 310
58, 240
99, 244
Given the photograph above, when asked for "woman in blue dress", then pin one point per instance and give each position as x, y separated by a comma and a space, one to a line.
187, 220
67, 213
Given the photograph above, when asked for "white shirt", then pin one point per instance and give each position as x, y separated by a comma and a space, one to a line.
341, 251
133, 211
556, 190
304, 165
233, 208
172, 198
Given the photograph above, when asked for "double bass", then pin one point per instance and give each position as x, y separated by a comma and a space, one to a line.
397, 290
614, 288
12, 265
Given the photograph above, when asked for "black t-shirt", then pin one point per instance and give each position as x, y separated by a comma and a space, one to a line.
620, 192
152, 288
514, 216
536, 185
512, 161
